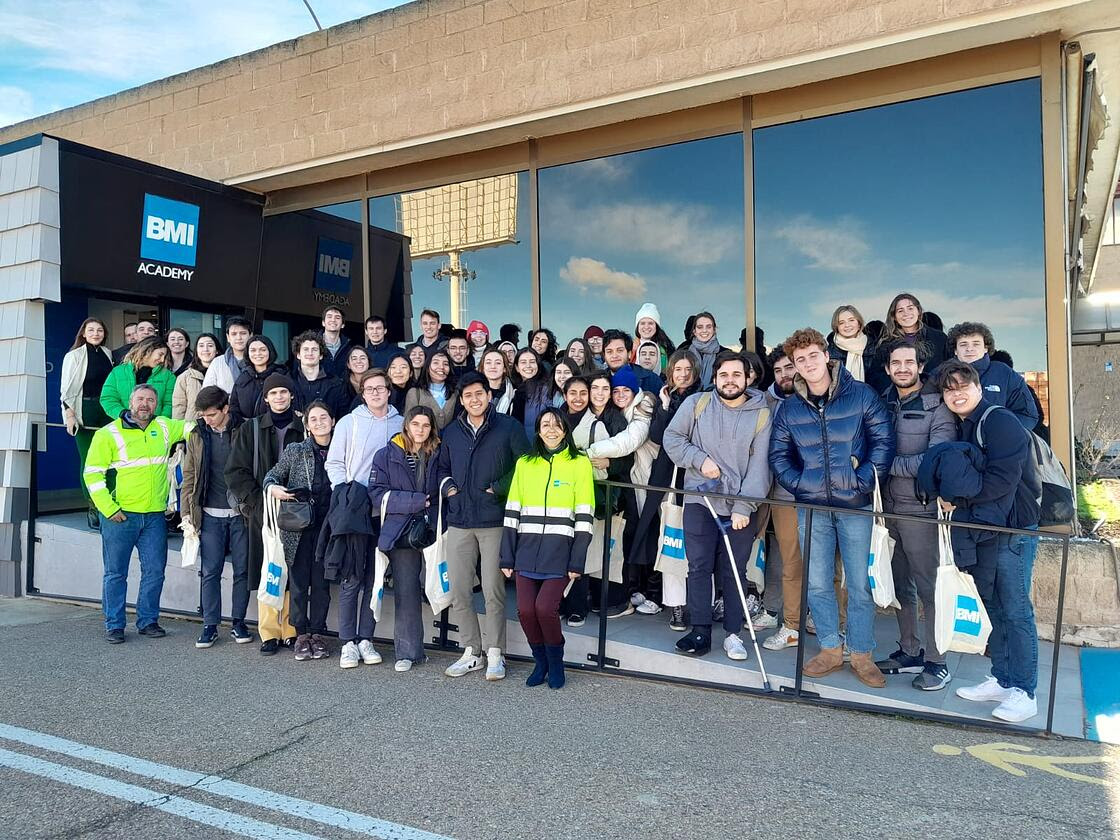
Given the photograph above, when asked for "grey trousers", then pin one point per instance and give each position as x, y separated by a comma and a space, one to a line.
914, 567
408, 619
464, 547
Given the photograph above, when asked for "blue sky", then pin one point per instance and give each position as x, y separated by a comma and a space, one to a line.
58, 53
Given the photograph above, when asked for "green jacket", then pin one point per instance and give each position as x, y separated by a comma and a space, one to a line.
139, 457
122, 379
549, 515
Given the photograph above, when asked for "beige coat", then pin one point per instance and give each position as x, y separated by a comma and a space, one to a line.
187, 385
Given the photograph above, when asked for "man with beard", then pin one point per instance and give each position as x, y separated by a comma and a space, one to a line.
830, 440
721, 440
459, 349
921, 420
135, 446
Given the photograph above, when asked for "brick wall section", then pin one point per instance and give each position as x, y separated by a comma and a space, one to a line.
435, 65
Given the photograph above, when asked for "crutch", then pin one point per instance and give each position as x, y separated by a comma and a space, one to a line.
742, 595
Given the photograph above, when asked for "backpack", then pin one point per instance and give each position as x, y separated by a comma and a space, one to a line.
1055, 504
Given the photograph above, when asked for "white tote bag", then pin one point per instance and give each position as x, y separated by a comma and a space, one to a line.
671, 558
961, 622
437, 581
192, 546
381, 563
274, 570
756, 565
594, 565
879, 557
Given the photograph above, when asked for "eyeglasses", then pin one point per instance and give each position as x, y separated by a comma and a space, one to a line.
375, 389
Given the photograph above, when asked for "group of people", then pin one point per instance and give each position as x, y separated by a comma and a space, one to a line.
509, 447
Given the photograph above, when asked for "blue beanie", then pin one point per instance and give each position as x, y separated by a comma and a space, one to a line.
625, 377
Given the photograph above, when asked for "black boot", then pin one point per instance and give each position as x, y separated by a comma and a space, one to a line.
555, 654
541, 671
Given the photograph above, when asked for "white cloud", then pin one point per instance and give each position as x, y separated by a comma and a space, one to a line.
839, 246
591, 275
16, 105
682, 234
932, 271
612, 169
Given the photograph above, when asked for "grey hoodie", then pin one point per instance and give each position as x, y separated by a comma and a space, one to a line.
727, 436
357, 437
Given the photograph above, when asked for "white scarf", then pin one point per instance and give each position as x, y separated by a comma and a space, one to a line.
854, 347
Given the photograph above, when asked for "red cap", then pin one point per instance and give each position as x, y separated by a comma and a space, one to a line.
592, 332
478, 325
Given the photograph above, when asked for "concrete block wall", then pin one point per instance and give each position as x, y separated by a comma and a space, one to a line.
1092, 604
434, 66
29, 275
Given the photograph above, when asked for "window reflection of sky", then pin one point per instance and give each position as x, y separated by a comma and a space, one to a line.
502, 290
662, 225
941, 197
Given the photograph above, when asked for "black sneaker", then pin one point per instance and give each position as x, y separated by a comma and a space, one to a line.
575, 620
152, 631
240, 633
934, 677
289, 643
114, 637
695, 644
902, 663
208, 636
269, 647
676, 619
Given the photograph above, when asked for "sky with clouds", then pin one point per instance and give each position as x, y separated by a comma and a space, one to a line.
58, 53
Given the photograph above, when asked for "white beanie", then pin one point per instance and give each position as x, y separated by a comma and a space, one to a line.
648, 310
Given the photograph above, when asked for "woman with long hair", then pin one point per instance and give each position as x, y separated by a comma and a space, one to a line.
145, 363
848, 343
417, 357
543, 343
246, 401
357, 363
189, 382
579, 351
437, 389
84, 370
401, 380
562, 371
904, 321
301, 474
556, 478
705, 346
495, 367
532, 394
405, 469
179, 345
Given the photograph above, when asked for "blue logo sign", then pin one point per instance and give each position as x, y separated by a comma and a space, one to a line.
966, 616
333, 260
444, 580
170, 231
672, 544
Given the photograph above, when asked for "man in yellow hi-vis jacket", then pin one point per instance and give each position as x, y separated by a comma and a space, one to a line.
136, 446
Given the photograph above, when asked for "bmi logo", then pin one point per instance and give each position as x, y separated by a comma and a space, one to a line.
672, 544
170, 231
332, 265
966, 616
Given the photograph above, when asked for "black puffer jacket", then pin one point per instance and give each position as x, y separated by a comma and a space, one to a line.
347, 539
811, 449
480, 467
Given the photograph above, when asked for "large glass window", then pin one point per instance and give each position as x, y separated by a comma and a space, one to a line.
472, 237
661, 225
940, 197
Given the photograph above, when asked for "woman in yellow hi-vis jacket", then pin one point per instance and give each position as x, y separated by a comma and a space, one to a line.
547, 530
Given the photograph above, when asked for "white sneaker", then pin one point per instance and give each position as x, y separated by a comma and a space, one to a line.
764, 621
1016, 707
986, 692
464, 664
637, 598
349, 658
369, 653
734, 647
784, 638
403, 665
495, 664
648, 607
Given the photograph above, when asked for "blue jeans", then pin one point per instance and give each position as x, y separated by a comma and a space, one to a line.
218, 535
1002, 575
852, 535
146, 532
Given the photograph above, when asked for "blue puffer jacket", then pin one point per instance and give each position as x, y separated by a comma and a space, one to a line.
480, 468
811, 450
408, 493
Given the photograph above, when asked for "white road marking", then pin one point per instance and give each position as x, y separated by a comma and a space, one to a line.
194, 811
301, 808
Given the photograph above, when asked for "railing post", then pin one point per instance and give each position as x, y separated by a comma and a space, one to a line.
802, 633
605, 583
1057, 635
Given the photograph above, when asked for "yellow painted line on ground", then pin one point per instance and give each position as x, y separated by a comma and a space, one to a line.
1012, 758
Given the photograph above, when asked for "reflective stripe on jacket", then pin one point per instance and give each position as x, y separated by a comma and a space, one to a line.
139, 457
